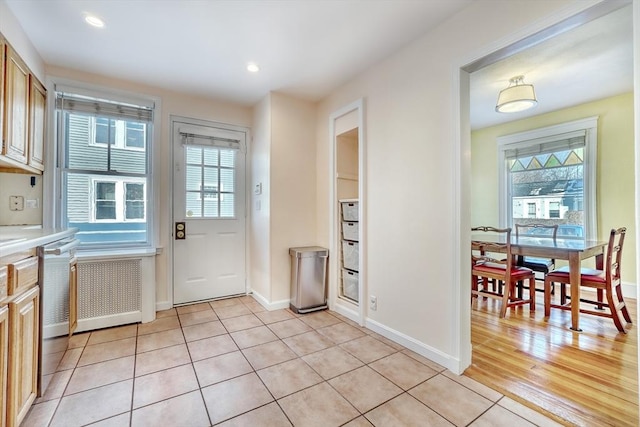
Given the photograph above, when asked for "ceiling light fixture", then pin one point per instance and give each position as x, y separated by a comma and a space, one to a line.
517, 97
252, 67
94, 21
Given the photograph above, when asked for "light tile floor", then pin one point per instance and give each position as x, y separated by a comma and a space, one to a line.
231, 363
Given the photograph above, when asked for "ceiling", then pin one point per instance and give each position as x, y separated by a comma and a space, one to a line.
590, 62
307, 48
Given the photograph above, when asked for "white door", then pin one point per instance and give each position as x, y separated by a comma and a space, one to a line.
208, 212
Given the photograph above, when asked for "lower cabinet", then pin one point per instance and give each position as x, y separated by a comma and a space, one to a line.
23, 354
4, 359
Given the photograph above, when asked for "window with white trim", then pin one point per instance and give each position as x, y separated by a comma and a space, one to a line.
123, 134
118, 200
554, 169
105, 154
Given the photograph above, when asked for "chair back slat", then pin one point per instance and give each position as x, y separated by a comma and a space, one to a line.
495, 252
614, 253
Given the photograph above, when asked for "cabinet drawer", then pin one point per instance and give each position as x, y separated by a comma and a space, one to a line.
350, 287
350, 231
4, 282
350, 255
22, 275
349, 211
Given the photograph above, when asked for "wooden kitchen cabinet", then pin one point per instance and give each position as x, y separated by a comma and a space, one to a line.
4, 359
37, 123
24, 337
19, 335
16, 126
23, 115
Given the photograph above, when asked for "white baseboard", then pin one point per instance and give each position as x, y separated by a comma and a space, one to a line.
270, 306
412, 344
163, 305
108, 321
348, 312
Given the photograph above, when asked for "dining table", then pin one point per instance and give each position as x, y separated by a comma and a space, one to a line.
573, 250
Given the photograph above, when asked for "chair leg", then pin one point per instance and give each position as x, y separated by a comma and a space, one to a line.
532, 294
547, 297
563, 294
506, 297
599, 293
614, 313
623, 309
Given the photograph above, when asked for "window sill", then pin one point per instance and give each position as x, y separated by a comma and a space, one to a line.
97, 254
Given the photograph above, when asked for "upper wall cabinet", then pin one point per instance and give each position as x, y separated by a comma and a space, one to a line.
37, 123
23, 113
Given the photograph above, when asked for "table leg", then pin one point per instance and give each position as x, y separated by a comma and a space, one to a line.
574, 277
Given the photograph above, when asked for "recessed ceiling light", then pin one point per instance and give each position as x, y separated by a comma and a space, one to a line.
94, 21
252, 67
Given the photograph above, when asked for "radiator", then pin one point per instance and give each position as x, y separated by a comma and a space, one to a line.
109, 293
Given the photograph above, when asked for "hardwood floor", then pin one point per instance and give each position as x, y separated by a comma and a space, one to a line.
586, 379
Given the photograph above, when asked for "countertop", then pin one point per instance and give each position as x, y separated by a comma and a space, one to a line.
20, 238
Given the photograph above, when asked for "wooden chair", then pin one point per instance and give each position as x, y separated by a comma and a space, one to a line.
541, 265
606, 282
483, 266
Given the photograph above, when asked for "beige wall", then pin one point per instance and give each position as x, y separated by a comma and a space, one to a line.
171, 103
410, 177
615, 167
284, 149
260, 206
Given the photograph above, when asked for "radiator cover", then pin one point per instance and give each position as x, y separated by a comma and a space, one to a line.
108, 288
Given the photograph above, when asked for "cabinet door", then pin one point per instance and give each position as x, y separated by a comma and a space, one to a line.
73, 295
17, 107
3, 49
23, 355
37, 123
4, 356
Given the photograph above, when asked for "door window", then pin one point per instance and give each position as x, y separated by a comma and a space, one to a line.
210, 182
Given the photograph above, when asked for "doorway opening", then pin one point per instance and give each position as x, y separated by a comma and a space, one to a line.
536, 347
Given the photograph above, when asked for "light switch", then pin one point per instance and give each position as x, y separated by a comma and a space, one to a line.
16, 203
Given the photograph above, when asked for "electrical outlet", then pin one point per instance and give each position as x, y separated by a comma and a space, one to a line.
373, 302
16, 203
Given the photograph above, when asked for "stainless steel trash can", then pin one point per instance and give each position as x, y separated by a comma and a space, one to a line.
308, 279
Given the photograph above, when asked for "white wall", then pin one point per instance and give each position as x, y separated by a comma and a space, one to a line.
411, 135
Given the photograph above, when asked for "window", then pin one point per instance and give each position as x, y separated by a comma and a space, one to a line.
210, 182
119, 133
104, 166
118, 201
549, 176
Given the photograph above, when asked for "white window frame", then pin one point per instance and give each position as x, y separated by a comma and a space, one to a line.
522, 139
58, 217
120, 138
120, 198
